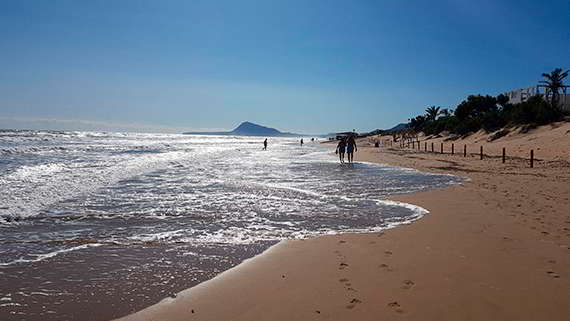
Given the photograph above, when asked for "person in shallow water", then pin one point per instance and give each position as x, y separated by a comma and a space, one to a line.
351, 148
340, 148
265, 144
301, 141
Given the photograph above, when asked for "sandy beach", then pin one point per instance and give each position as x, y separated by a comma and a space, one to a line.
494, 248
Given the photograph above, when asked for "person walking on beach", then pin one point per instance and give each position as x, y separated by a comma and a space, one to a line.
265, 144
351, 148
340, 148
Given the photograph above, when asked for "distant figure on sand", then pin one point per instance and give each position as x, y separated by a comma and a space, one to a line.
340, 148
301, 141
265, 144
351, 148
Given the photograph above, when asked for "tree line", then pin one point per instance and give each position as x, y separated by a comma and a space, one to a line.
494, 112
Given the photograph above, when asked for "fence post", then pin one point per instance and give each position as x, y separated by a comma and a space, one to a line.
464, 150
481, 152
531, 158
432, 147
452, 149
442, 148
425, 146
503, 155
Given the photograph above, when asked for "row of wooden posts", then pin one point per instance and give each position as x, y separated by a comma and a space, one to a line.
413, 143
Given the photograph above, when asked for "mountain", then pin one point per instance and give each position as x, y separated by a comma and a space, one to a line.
249, 129
401, 126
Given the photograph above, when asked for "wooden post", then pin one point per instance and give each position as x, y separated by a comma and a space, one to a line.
481, 152
413, 144
432, 147
452, 149
442, 148
531, 158
464, 150
425, 146
503, 155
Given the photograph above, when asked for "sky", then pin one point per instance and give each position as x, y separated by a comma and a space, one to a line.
298, 66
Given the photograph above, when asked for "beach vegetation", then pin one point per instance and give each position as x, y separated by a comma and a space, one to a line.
492, 113
554, 81
432, 112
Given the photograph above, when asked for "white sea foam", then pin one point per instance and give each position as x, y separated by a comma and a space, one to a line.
125, 189
44, 256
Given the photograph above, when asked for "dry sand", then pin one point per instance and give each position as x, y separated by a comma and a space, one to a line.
494, 248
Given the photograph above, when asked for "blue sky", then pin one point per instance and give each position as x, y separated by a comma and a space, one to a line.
301, 66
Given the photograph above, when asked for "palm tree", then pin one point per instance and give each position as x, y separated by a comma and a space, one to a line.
553, 82
432, 112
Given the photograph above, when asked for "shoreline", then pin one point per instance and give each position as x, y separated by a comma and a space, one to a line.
479, 254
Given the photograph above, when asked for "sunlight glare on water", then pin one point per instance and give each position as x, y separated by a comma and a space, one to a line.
75, 197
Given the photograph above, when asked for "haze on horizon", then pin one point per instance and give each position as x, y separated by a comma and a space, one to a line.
298, 66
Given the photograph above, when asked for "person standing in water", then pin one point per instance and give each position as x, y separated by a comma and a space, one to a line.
351, 148
340, 148
301, 141
265, 144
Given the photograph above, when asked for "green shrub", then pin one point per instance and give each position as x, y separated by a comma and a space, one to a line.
535, 110
489, 113
493, 120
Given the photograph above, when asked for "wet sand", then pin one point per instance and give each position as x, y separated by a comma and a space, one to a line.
494, 248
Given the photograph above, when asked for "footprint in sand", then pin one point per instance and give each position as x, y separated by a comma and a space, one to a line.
553, 274
388, 253
396, 306
339, 255
342, 266
343, 280
353, 303
342, 241
385, 267
408, 284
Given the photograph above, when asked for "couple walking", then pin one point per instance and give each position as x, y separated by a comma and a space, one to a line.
348, 144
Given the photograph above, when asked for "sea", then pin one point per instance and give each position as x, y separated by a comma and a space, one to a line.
97, 225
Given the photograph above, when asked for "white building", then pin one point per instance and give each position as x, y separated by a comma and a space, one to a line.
520, 95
